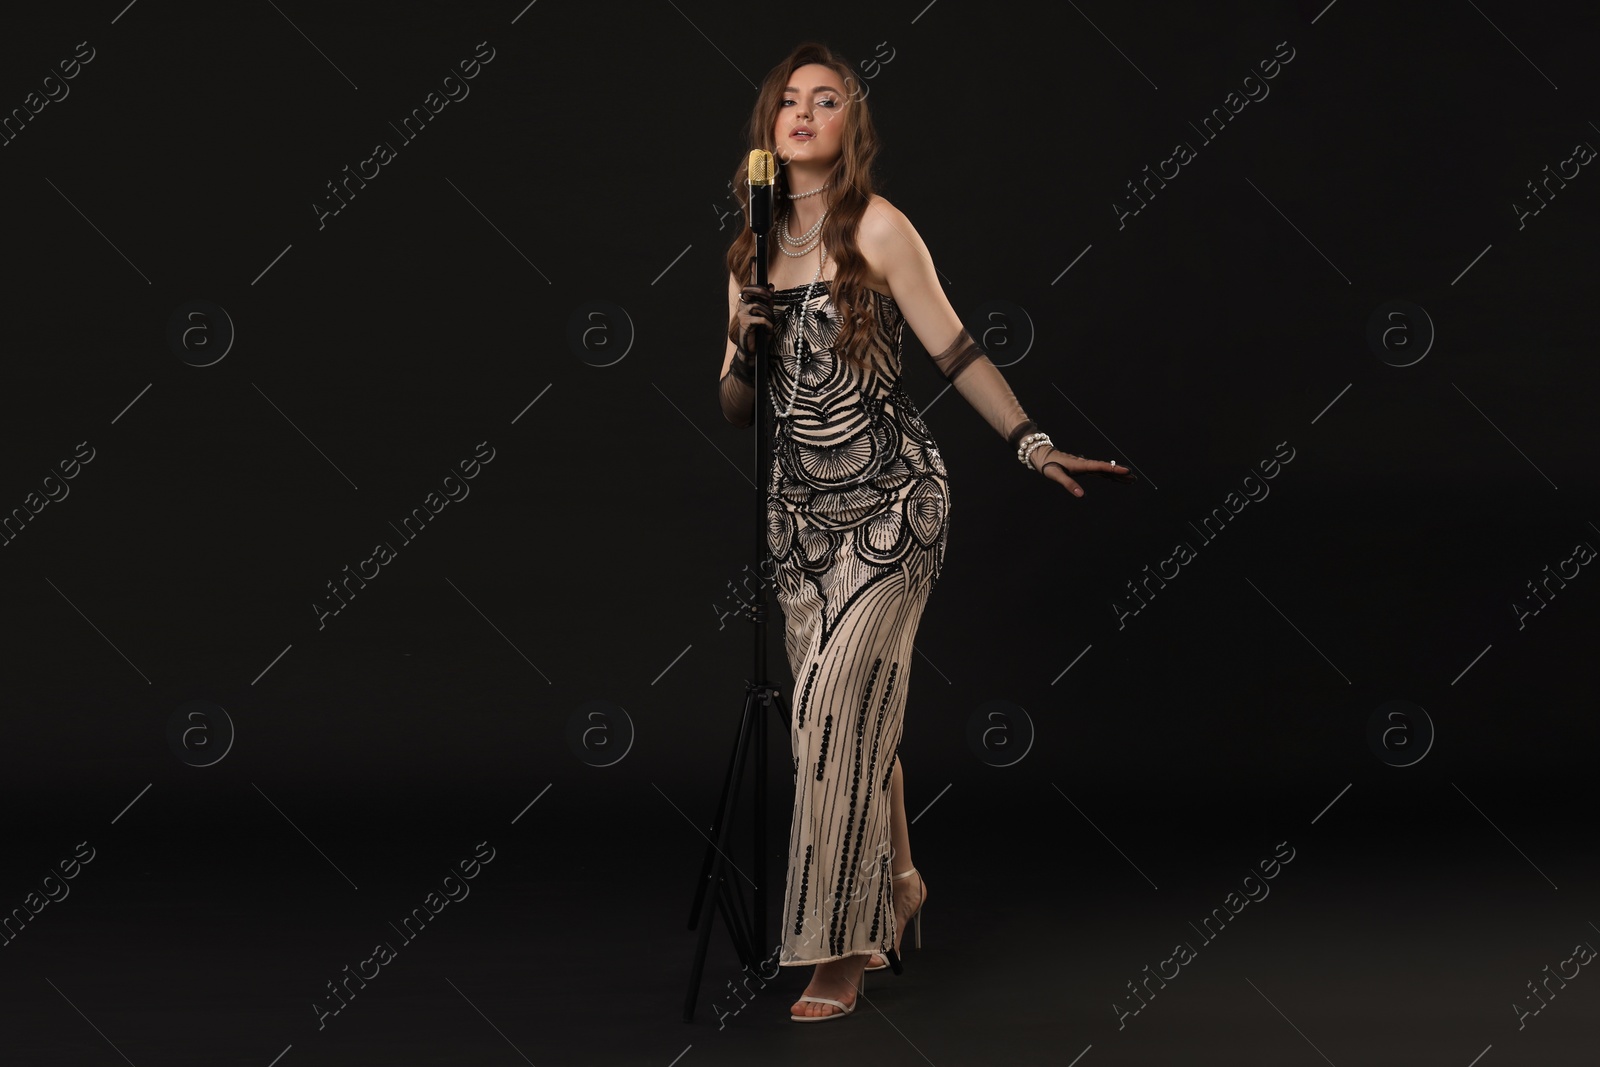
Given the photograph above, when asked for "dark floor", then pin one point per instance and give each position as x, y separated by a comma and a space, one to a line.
1384, 940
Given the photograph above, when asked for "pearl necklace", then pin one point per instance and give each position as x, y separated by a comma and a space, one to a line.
808, 235
800, 334
813, 192
810, 238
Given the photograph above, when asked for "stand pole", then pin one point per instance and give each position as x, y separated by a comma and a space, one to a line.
747, 936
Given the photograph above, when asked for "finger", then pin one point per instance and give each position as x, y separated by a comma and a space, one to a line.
1065, 478
1113, 470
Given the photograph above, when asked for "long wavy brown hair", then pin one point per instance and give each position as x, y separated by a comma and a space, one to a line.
851, 190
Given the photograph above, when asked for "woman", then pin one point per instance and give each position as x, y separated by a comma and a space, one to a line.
858, 504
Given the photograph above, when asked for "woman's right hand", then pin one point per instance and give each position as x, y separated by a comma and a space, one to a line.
752, 323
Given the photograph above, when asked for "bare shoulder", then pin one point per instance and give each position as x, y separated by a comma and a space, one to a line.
888, 241
882, 221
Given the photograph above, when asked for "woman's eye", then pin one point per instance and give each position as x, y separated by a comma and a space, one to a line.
786, 103
828, 102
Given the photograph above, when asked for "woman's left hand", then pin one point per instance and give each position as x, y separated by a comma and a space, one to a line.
1059, 467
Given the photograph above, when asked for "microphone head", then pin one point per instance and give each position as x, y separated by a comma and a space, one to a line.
761, 179
761, 169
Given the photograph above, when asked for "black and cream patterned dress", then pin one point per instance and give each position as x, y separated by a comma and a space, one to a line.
857, 521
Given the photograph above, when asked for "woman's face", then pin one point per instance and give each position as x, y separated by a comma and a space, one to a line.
809, 125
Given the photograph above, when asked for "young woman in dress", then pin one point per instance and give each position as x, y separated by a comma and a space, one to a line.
858, 504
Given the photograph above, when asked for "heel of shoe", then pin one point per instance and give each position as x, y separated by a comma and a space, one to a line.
916, 924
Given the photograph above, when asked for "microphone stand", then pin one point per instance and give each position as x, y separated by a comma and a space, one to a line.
746, 930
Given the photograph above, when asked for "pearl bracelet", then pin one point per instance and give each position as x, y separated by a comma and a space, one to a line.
1023, 445
1026, 448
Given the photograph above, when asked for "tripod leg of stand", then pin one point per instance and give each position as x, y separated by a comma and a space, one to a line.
752, 713
730, 904
722, 801
759, 818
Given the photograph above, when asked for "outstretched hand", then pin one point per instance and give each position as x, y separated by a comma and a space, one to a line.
1059, 467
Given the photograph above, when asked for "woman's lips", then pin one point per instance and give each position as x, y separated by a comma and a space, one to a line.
802, 135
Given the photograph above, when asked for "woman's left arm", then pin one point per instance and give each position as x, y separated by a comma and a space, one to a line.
892, 245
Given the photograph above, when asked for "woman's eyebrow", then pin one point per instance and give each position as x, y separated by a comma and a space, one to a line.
818, 89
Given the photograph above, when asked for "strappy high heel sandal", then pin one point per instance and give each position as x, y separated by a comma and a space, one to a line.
844, 1010
915, 919
840, 1014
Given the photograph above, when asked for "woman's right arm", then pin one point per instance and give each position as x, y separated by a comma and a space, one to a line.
733, 309
749, 315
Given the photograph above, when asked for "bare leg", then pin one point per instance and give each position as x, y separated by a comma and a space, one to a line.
899, 828
907, 890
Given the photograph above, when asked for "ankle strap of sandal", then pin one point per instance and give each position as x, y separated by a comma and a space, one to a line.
907, 874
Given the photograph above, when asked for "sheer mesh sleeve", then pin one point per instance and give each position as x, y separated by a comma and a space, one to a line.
737, 392
979, 381
749, 329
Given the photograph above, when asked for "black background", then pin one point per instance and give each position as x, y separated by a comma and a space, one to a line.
591, 561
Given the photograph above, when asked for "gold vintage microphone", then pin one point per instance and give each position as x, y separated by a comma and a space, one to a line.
761, 178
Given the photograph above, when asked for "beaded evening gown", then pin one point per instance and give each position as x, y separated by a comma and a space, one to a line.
858, 516
857, 521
